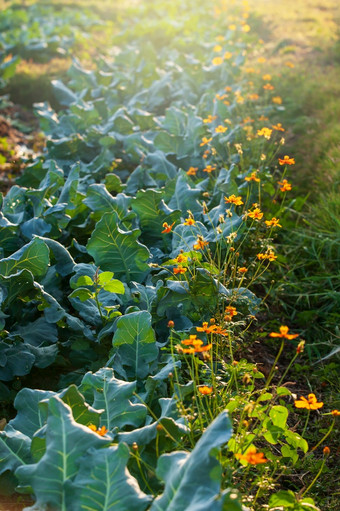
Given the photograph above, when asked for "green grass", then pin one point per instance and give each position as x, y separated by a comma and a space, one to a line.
305, 32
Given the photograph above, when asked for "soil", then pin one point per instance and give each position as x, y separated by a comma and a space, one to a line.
20, 140
14, 503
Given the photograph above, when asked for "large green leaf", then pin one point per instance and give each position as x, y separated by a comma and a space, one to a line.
33, 257
64, 262
135, 340
119, 251
170, 419
66, 443
81, 411
152, 212
98, 199
114, 397
30, 416
103, 483
184, 197
16, 285
16, 359
193, 480
14, 449
37, 333
175, 121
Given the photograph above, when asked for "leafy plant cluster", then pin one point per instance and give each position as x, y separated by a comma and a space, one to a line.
149, 220
39, 33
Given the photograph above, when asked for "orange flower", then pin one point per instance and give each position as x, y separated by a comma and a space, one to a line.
220, 98
210, 119
219, 330
180, 270
285, 186
192, 171
228, 55
202, 349
278, 127
256, 214
265, 132
209, 168
261, 60
197, 345
243, 269
252, 177
284, 333
205, 390
269, 255
267, 78
253, 97
277, 100
217, 48
205, 328
171, 324
220, 129
205, 141
100, 431
286, 160
310, 404
181, 259
263, 118
252, 457
186, 351
189, 221
230, 312
335, 413
192, 341
326, 451
274, 222
200, 243
268, 86
232, 199
213, 329
217, 61
167, 227
247, 120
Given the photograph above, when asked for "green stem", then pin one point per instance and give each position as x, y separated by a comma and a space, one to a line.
98, 305
315, 478
271, 374
143, 475
325, 436
286, 371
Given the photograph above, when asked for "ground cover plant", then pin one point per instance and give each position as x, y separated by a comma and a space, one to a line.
138, 254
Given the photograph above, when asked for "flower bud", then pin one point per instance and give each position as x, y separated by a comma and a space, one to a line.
246, 379
301, 347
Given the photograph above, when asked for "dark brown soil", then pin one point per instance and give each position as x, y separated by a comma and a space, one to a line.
14, 143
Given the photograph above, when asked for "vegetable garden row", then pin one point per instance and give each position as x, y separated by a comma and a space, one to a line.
136, 255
